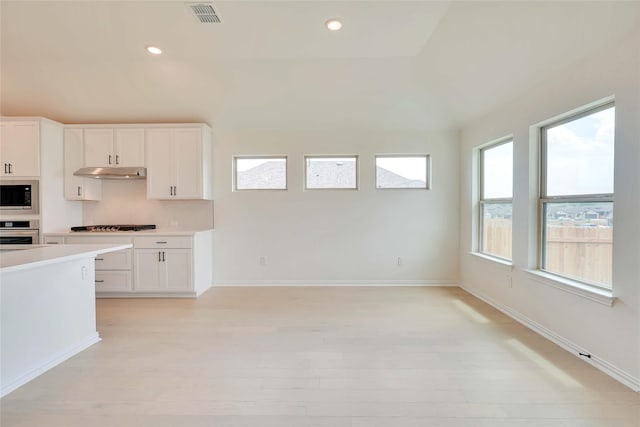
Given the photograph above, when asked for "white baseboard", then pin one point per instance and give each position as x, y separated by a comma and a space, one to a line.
53, 361
302, 283
601, 364
102, 295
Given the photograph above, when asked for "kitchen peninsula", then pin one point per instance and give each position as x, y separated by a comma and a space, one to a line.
48, 311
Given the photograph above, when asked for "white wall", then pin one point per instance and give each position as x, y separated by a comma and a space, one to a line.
343, 236
610, 334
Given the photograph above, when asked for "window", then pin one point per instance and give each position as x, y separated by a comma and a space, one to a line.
331, 172
402, 171
576, 201
260, 173
496, 193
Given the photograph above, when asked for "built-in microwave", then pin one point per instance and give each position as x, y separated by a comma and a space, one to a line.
18, 197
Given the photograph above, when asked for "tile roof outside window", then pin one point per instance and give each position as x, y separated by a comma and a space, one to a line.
269, 175
331, 172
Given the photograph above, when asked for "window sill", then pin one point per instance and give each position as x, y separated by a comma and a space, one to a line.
492, 259
576, 288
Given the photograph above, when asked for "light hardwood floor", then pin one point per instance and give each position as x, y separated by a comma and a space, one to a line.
322, 357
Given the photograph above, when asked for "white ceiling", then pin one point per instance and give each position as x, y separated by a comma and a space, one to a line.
403, 65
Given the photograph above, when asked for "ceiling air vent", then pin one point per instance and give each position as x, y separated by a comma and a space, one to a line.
204, 13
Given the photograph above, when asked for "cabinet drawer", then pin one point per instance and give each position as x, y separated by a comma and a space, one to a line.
53, 240
159, 242
100, 240
119, 260
113, 281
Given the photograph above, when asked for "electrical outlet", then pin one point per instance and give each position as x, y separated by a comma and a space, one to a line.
400, 262
262, 260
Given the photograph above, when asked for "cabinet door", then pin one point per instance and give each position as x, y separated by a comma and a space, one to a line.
159, 164
164, 270
177, 266
75, 187
149, 274
98, 147
20, 148
129, 147
187, 149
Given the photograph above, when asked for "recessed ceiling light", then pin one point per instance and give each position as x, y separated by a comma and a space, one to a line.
153, 50
333, 24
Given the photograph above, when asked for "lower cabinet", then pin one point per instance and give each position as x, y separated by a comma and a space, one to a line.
113, 269
164, 270
175, 265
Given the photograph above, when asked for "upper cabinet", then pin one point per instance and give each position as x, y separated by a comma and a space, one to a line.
179, 163
20, 148
75, 187
178, 158
113, 147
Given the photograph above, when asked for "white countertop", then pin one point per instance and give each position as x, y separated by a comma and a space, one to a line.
40, 255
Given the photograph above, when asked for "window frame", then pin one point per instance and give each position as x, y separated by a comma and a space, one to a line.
483, 201
331, 156
427, 158
544, 199
256, 157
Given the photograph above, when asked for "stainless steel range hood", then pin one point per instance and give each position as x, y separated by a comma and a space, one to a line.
137, 172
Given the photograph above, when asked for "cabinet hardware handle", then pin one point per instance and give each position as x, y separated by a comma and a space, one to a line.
5, 168
10, 171
78, 190
99, 259
109, 158
99, 281
175, 190
117, 159
163, 257
171, 190
159, 259
162, 242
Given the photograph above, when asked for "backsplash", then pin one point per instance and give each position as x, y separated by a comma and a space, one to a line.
125, 202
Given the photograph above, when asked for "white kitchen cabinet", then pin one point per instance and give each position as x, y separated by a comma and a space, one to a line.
163, 270
20, 148
113, 147
129, 147
179, 163
163, 263
113, 269
113, 272
76, 187
31, 148
176, 264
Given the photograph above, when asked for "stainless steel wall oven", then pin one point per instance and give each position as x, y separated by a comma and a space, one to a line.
20, 232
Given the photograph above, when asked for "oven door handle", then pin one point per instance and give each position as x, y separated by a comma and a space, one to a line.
17, 232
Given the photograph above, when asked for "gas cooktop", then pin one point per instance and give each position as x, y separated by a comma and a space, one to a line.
109, 228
